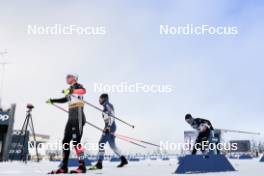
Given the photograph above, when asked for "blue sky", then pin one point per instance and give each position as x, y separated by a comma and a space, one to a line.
218, 77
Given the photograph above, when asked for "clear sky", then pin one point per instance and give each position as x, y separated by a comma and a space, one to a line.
217, 77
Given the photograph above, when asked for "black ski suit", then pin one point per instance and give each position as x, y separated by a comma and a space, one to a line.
203, 135
76, 120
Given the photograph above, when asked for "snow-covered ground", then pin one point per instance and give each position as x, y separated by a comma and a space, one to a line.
142, 168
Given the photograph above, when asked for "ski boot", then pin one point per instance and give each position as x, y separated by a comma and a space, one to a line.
59, 171
123, 162
97, 166
80, 169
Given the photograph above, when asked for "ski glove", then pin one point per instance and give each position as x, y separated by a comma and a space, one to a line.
49, 101
67, 91
107, 130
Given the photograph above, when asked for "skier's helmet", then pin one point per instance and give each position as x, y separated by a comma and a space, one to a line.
103, 98
188, 116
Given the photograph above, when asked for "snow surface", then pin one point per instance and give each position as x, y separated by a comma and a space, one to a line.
142, 168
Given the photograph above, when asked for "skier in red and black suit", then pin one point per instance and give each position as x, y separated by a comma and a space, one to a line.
74, 127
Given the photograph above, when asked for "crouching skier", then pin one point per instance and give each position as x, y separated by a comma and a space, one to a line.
205, 129
110, 127
74, 127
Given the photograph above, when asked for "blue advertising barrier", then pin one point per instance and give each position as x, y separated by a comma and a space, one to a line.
262, 158
74, 162
203, 164
134, 159
6, 130
245, 156
115, 159
18, 149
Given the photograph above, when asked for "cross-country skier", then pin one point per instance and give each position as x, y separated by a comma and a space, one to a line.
205, 129
74, 127
110, 127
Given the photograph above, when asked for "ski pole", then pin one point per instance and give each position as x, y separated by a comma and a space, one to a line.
120, 137
235, 131
96, 127
61, 108
142, 141
95, 107
117, 135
